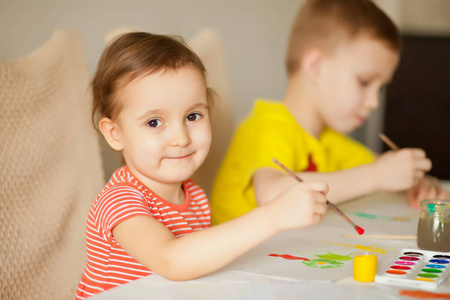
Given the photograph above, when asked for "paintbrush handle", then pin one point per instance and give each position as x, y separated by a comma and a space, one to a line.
330, 205
339, 212
388, 142
293, 175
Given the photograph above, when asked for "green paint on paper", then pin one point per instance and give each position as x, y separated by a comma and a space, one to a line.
378, 217
364, 215
334, 256
323, 263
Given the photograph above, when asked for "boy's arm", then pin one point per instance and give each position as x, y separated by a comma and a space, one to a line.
199, 253
269, 182
392, 171
428, 187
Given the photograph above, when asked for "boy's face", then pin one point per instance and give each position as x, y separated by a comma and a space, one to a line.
164, 126
351, 80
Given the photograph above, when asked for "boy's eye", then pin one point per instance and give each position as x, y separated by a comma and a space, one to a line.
193, 117
154, 123
363, 82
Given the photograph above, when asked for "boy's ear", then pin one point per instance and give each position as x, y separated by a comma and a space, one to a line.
111, 133
312, 63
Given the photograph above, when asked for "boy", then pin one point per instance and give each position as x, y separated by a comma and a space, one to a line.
341, 54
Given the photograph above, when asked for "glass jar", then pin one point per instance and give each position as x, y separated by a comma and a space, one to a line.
433, 231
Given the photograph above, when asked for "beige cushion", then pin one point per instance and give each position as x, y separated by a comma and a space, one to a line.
50, 170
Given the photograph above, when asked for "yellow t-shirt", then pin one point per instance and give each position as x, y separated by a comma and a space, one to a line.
270, 131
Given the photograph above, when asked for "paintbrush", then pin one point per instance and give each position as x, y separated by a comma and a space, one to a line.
388, 142
358, 229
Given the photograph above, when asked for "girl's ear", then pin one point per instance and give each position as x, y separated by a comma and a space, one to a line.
312, 63
111, 133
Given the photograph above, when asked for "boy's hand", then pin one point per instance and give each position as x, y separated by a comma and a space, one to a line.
427, 188
401, 169
301, 205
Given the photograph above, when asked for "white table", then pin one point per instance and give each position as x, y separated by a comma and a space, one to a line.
256, 275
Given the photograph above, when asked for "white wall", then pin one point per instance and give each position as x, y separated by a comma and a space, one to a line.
254, 33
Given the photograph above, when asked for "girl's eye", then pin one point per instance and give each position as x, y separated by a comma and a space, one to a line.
154, 123
193, 117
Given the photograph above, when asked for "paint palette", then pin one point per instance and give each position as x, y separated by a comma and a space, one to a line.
417, 268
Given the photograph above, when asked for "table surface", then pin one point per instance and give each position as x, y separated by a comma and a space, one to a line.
256, 275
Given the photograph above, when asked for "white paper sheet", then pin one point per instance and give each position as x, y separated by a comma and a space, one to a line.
324, 240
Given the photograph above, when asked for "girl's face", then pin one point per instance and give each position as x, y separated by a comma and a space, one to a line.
164, 127
352, 79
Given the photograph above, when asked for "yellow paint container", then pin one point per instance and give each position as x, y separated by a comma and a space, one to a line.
364, 266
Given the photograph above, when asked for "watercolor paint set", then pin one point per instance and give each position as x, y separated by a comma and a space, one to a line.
417, 268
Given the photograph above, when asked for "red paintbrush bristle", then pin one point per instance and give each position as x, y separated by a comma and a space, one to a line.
359, 230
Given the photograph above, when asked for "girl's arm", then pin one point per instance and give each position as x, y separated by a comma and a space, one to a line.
199, 253
393, 171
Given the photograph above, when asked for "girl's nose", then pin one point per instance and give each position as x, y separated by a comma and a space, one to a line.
180, 136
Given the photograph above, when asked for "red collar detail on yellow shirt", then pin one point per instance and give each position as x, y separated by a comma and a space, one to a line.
311, 165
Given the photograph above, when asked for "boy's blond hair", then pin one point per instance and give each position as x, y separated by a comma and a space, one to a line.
324, 23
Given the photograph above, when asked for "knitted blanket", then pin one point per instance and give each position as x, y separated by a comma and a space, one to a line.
50, 170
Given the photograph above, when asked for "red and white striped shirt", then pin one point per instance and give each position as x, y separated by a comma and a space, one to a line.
108, 265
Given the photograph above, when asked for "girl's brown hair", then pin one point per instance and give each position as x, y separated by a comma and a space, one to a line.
133, 55
325, 23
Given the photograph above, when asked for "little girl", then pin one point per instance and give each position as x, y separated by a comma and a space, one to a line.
152, 104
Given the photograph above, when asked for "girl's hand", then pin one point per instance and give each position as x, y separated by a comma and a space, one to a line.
301, 205
152, 244
427, 188
401, 169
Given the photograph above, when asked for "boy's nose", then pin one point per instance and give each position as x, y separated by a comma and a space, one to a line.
373, 101
180, 136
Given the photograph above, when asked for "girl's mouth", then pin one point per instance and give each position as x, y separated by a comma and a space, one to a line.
180, 157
